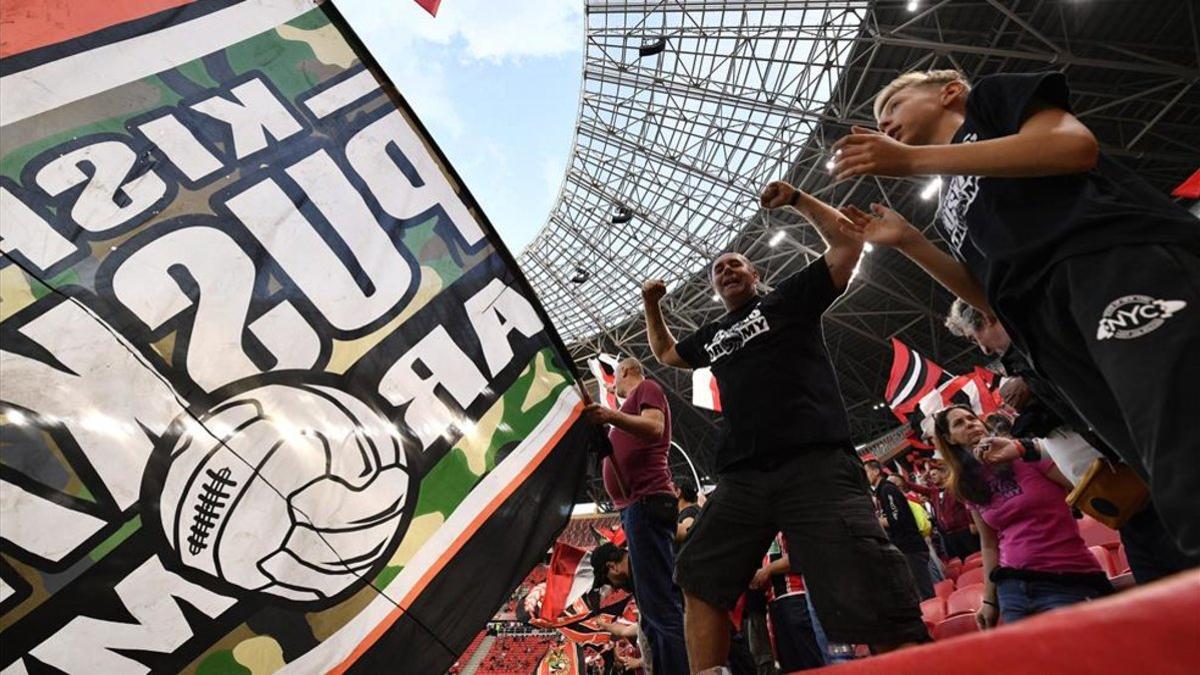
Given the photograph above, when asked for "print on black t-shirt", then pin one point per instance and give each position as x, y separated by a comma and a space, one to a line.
778, 390
1009, 232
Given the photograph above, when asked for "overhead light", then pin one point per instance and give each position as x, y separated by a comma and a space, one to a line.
716, 297
776, 238
622, 216
581, 275
829, 165
931, 188
913, 5
652, 48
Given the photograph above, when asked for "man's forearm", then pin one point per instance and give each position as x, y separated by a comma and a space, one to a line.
946, 271
825, 219
657, 332
643, 427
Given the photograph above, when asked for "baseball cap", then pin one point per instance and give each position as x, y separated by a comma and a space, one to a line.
602, 555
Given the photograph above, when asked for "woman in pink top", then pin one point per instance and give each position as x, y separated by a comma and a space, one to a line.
1033, 557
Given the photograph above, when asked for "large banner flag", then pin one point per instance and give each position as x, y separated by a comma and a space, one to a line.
912, 377
705, 393
274, 396
969, 390
918, 388
604, 369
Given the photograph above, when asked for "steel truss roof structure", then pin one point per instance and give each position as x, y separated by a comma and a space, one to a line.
689, 107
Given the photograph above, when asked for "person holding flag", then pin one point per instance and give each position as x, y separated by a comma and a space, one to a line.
787, 463
638, 480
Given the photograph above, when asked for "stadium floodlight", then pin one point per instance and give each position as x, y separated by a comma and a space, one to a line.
776, 238
931, 188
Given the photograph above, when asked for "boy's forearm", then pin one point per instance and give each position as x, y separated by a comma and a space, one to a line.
1017, 156
947, 271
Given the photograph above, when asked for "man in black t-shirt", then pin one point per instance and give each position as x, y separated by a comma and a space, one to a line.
787, 463
901, 526
1093, 272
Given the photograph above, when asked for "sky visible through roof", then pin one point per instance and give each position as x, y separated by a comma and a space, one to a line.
497, 84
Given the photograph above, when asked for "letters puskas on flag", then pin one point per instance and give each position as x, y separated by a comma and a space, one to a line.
271, 384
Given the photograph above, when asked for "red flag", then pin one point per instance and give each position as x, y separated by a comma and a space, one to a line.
569, 577
430, 6
912, 378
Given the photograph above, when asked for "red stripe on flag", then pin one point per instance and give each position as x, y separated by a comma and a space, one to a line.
1190, 188
900, 358
716, 393
29, 24
564, 562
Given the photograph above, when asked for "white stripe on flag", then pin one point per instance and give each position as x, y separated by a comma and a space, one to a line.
914, 380
702, 391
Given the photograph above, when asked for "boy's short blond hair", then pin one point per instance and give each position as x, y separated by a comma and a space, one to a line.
916, 78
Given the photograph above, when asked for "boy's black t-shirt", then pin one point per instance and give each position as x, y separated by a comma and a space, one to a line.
778, 390
1010, 231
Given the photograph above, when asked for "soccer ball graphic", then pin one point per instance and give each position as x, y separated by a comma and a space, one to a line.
297, 491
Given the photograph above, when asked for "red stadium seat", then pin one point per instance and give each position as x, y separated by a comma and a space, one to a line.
1123, 581
955, 625
1121, 561
933, 611
970, 577
944, 588
1096, 534
974, 556
964, 600
1103, 557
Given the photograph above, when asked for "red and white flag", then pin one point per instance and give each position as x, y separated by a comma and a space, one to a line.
969, 390
430, 6
705, 393
569, 577
604, 369
913, 377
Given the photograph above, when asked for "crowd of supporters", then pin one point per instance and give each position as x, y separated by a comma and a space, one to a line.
1078, 276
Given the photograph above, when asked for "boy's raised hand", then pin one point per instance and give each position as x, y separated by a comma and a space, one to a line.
867, 152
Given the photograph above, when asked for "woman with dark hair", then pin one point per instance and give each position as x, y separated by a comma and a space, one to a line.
1033, 557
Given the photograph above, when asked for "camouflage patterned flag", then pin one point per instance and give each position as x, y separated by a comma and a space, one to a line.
274, 396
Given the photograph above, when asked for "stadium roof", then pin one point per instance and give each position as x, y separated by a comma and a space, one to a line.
688, 108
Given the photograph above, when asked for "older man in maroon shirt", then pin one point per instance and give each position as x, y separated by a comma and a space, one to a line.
638, 480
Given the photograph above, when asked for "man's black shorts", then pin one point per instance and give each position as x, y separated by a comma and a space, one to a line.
860, 583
